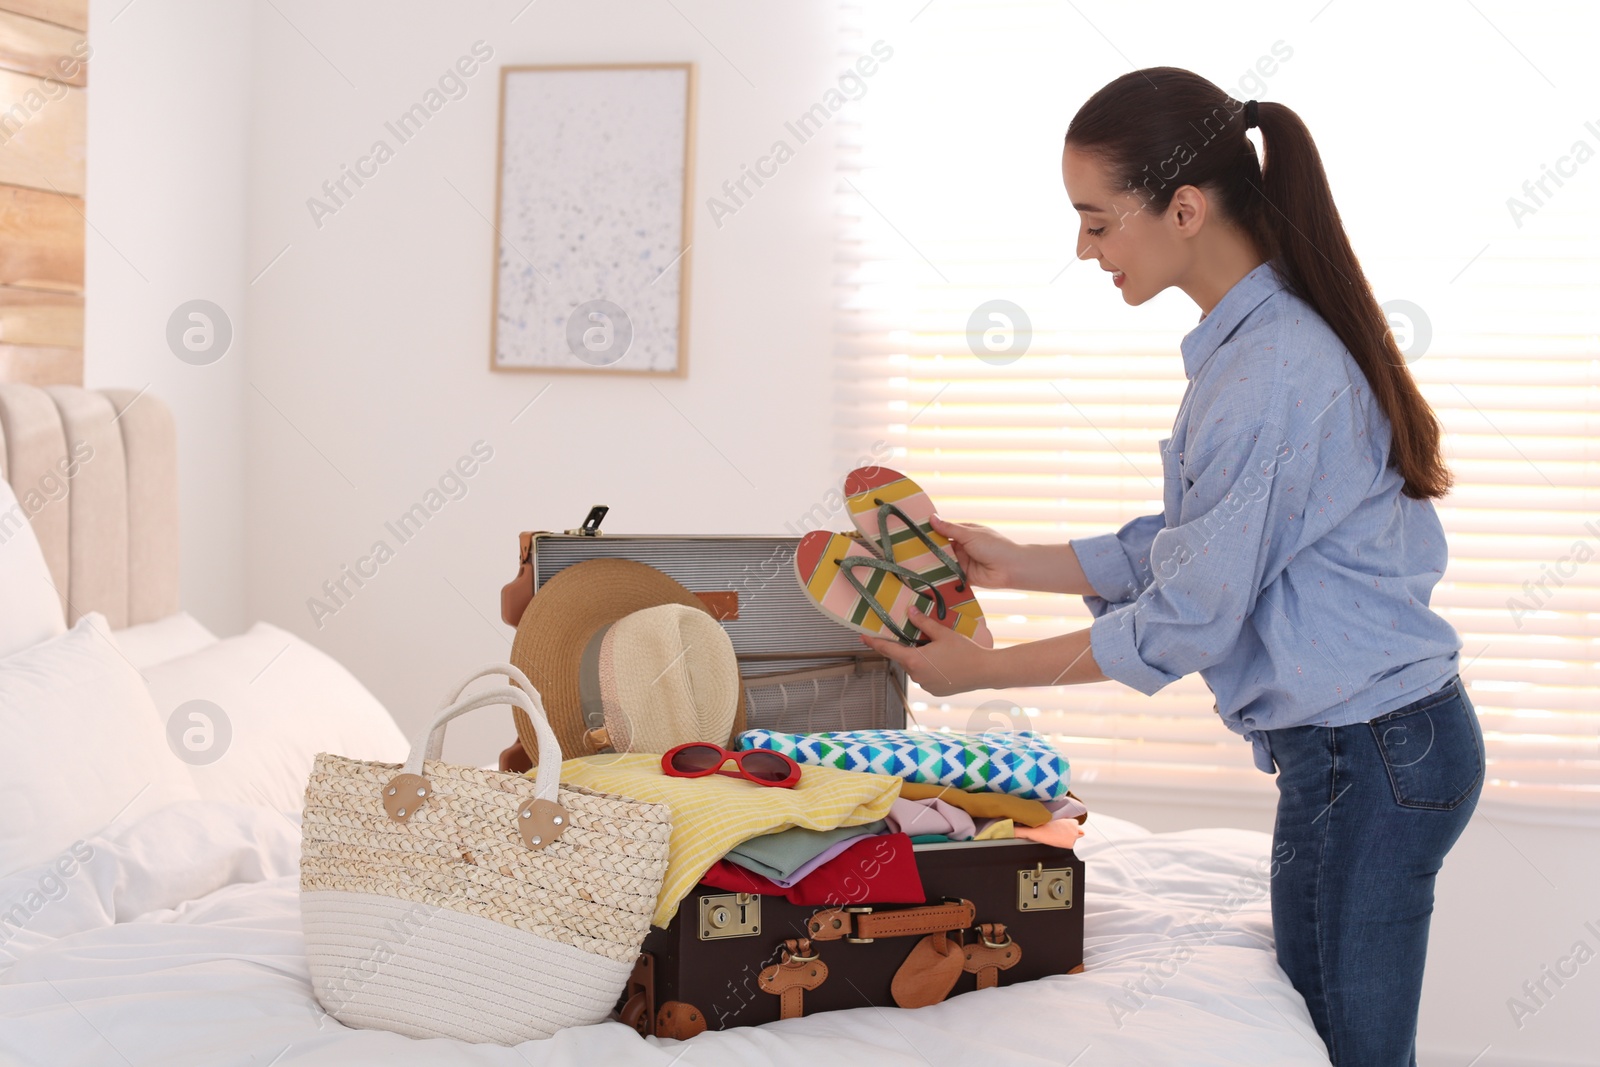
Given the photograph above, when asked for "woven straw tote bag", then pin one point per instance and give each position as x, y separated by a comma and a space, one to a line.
448, 901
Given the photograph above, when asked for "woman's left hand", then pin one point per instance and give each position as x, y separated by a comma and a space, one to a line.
948, 663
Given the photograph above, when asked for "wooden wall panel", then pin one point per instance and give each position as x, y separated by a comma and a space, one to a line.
43, 49
31, 317
41, 365
74, 13
42, 126
41, 240
43, 73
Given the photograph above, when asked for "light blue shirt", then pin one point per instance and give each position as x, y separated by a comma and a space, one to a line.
1286, 566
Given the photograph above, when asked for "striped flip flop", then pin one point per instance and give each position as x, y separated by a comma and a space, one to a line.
895, 515
852, 584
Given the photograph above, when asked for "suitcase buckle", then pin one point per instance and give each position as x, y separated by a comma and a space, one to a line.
860, 909
795, 957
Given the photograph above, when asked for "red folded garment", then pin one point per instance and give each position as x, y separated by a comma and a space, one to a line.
879, 870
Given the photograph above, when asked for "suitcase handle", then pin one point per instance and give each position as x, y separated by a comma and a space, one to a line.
860, 924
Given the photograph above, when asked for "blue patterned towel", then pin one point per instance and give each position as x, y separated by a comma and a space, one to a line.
1021, 764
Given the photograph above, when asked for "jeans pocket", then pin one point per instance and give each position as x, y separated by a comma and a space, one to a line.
1432, 749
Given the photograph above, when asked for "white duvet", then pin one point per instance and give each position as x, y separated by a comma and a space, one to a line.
177, 942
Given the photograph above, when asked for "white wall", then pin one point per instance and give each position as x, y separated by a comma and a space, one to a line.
169, 92
370, 336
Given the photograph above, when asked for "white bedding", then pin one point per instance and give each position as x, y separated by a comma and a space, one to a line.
178, 943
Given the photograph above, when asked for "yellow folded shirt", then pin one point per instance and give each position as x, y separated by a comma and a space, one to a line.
1020, 810
710, 815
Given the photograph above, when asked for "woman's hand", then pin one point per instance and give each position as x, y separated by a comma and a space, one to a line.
948, 663
990, 559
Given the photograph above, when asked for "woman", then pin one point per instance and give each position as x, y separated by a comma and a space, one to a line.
1297, 546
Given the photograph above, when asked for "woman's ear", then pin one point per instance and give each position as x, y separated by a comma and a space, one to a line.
1188, 209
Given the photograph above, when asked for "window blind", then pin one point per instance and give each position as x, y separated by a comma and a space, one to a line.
950, 197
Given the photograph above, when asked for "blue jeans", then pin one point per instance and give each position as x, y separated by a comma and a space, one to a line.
1366, 813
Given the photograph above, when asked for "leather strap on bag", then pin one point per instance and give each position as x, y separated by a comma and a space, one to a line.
995, 951
799, 970
863, 924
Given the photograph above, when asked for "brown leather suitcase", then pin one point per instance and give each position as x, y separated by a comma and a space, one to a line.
733, 959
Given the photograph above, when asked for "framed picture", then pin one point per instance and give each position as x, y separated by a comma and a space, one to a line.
592, 213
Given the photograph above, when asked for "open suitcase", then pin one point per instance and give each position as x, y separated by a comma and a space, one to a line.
1015, 907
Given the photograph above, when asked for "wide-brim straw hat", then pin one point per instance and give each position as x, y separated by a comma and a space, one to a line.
557, 626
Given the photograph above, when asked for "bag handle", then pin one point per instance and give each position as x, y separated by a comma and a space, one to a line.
540, 821
435, 736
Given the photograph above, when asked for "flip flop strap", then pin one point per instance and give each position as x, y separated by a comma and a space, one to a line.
909, 577
886, 545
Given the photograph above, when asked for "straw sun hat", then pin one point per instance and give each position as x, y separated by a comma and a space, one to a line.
637, 652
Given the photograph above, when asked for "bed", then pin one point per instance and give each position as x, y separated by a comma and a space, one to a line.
172, 936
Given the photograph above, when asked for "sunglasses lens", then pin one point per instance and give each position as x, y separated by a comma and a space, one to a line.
698, 758
767, 766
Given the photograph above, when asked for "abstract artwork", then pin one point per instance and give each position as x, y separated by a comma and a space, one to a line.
592, 255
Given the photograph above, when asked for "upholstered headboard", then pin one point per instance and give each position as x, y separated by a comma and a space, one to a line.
96, 472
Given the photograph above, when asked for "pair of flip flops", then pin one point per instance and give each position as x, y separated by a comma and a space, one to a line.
895, 561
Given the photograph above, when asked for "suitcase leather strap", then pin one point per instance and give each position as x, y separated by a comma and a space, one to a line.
863, 924
799, 970
995, 951
638, 1011
929, 971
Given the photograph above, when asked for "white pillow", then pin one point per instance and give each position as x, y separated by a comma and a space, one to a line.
82, 743
32, 611
150, 643
272, 703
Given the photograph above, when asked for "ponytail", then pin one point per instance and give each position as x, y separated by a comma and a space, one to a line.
1285, 205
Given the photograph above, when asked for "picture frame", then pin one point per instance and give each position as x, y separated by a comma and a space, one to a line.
594, 179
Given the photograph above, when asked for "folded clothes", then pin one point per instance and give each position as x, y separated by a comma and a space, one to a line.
713, 814
1063, 833
931, 816
789, 855
996, 830
875, 870
1021, 763
1067, 807
805, 869
1020, 810
929, 839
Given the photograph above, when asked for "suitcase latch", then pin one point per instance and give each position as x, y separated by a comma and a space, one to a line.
729, 915
591, 522
1043, 889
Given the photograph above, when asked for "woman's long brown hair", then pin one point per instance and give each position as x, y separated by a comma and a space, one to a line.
1163, 128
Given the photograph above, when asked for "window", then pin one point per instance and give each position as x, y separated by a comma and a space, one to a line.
1476, 222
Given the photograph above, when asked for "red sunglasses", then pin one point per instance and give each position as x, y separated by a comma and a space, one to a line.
696, 759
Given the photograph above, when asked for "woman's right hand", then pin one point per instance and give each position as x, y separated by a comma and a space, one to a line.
990, 559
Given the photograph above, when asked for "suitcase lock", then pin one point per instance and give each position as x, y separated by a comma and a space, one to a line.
729, 915
1044, 890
